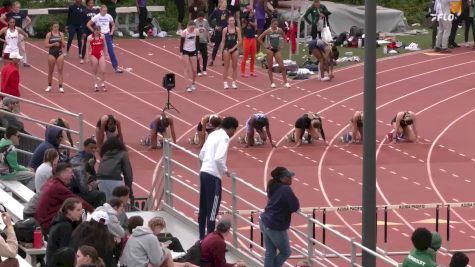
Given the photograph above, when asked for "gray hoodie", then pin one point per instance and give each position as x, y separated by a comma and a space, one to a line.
114, 225
142, 248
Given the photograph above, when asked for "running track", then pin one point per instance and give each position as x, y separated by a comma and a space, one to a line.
439, 169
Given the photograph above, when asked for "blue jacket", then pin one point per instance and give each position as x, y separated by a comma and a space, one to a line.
282, 202
51, 141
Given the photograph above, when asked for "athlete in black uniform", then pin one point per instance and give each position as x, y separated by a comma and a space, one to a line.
54, 41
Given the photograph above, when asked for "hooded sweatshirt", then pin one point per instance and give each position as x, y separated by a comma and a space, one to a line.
51, 141
59, 235
12, 160
280, 206
113, 164
114, 225
142, 248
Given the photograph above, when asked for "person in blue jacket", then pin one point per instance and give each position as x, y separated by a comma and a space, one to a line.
275, 220
53, 138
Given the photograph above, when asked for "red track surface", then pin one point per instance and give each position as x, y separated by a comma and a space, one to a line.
438, 88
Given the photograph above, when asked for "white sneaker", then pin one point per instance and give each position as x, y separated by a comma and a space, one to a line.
193, 87
199, 74
48, 89
234, 85
226, 86
189, 89
82, 61
287, 85
61, 90
204, 73
272, 85
326, 78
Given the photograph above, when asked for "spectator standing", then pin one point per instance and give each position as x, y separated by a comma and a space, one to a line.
459, 16
54, 193
195, 8
213, 246
114, 163
442, 9
11, 75
113, 208
107, 24
62, 227
468, 12
143, 12
318, 14
74, 22
221, 15
260, 15
249, 27
203, 30
8, 245
9, 168
87, 256
111, 7
19, 16
213, 157
275, 220
420, 256
53, 138
459, 259
84, 183
45, 170
89, 13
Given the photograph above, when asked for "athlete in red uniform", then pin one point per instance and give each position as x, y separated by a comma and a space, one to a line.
96, 51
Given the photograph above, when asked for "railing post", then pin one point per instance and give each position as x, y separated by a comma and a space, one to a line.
81, 130
167, 154
251, 233
448, 228
437, 218
234, 210
309, 238
353, 252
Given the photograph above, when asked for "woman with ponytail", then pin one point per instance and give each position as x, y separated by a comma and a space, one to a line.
87, 256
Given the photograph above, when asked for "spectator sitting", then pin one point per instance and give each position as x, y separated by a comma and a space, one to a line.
143, 247
9, 168
122, 193
45, 170
12, 105
53, 138
459, 259
62, 227
87, 256
94, 233
213, 246
420, 256
63, 257
53, 194
113, 208
90, 146
84, 182
163, 237
8, 246
114, 163
132, 223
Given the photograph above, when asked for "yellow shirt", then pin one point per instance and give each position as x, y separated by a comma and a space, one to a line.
456, 7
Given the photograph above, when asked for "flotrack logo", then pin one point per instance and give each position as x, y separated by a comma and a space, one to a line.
444, 17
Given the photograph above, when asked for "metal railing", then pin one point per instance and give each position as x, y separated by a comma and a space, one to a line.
176, 177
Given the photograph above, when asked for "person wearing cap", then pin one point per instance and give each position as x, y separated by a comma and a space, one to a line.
207, 125
11, 76
95, 233
213, 247
213, 157
275, 220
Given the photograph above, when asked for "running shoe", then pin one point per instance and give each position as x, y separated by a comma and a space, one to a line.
200, 74
118, 70
234, 85
226, 86
104, 87
61, 90
253, 74
193, 87
287, 85
326, 78
272, 85
204, 73
26, 65
96, 88
188, 89
81, 61
48, 89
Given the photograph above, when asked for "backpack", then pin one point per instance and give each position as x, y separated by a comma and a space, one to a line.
193, 255
4, 166
356, 32
24, 230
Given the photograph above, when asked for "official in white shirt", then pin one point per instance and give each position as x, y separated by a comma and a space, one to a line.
213, 157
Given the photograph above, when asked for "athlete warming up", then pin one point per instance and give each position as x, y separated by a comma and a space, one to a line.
96, 51
188, 47
107, 126
274, 43
54, 41
404, 125
324, 54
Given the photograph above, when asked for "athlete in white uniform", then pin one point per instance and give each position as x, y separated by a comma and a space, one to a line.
188, 49
12, 34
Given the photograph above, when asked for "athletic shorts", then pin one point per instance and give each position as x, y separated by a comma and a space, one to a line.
189, 53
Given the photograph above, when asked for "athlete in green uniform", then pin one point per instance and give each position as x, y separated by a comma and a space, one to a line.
420, 256
273, 46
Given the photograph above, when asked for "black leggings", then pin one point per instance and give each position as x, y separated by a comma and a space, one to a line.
217, 42
469, 22
180, 6
84, 47
203, 50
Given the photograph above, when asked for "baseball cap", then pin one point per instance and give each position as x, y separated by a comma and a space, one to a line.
280, 172
9, 100
223, 225
100, 216
16, 55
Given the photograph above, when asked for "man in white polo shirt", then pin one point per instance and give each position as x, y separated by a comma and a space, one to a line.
213, 166
106, 22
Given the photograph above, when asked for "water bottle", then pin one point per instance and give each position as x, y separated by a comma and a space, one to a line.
37, 238
360, 42
385, 49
